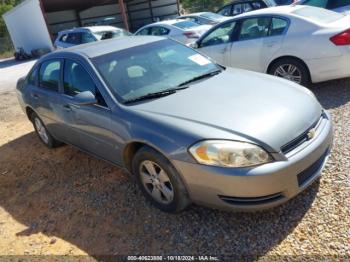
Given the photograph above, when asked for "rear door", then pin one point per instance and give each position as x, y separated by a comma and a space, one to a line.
90, 126
217, 43
247, 51
45, 97
273, 43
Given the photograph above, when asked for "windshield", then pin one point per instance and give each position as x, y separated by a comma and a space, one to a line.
319, 15
212, 16
151, 68
186, 24
103, 35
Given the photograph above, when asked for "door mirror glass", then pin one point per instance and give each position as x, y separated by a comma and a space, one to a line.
84, 99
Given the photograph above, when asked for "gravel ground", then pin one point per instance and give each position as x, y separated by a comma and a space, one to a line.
65, 202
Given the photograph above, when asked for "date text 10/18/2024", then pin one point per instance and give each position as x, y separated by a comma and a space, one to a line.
172, 258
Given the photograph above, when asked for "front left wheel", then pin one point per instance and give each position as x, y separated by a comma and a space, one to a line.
159, 181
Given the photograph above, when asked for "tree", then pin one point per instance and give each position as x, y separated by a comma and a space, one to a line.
203, 5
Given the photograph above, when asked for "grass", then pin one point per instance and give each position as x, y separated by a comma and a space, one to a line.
6, 54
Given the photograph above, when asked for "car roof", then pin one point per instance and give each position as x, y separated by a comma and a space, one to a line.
90, 28
276, 10
100, 48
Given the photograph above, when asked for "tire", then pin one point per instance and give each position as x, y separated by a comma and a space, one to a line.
299, 69
40, 129
179, 201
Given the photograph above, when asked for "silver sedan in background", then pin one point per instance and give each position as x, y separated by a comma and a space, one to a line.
188, 129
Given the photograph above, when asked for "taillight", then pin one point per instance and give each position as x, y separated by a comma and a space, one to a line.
342, 38
191, 35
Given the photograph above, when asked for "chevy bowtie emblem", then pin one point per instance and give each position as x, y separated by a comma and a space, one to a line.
311, 134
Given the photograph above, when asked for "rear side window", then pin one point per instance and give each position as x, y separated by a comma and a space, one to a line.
145, 31
87, 38
278, 26
63, 38
74, 38
186, 24
253, 28
226, 11
49, 76
159, 31
318, 14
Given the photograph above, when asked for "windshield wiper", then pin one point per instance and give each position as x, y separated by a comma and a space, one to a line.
210, 74
154, 95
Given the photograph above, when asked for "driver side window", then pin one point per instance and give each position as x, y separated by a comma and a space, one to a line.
77, 80
220, 35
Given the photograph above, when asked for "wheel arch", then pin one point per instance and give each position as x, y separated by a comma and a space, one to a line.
288, 57
132, 148
29, 111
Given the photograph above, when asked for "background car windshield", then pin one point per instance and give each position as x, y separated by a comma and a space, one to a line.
318, 14
316, 3
151, 68
186, 24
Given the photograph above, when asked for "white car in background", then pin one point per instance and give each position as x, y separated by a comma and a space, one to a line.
303, 44
181, 30
84, 35
341, 6
205, 18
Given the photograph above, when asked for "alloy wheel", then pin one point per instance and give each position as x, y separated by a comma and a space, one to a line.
156, 182
41, 130
289, 72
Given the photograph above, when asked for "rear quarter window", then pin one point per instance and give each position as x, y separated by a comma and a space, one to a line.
186, 24
318, 15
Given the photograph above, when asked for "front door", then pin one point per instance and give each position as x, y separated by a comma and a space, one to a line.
90, 125
217, 44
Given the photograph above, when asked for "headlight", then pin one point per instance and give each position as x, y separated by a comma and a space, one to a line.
229, 154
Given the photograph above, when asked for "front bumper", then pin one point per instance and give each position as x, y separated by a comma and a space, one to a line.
266, 186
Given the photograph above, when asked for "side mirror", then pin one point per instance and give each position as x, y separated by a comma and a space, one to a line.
194, 45
84, 99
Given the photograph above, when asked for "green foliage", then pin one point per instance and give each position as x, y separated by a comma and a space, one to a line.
3, 9
203, 5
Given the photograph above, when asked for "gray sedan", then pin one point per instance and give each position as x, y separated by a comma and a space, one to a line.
189, 130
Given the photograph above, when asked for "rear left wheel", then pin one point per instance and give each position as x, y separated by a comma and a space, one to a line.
291, 69
42, 132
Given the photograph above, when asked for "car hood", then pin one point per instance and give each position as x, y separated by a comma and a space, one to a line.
262, 108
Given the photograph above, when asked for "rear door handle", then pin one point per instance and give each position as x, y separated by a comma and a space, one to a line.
35, 96
271, 44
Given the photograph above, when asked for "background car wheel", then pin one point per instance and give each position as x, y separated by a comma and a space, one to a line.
159, 181
42, 132
291, 69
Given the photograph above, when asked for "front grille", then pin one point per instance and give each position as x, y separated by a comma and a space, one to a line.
308, 173
300, 139
240, 201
